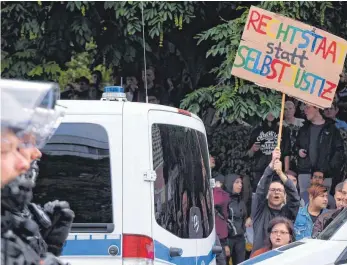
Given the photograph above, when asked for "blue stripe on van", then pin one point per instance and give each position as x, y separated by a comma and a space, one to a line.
207, 259
162, 252
99, 247
90, 247
262, 257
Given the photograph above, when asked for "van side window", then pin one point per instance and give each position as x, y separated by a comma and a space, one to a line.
182, 194
75, 167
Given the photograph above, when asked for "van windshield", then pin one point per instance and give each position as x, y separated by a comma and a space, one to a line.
334, 226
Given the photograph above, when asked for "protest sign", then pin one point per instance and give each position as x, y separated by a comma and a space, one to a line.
289, 56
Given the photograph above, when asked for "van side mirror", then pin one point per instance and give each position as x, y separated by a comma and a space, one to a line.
217, 249
175, 252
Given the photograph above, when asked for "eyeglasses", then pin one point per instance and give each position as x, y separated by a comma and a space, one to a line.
282, 233
276, 190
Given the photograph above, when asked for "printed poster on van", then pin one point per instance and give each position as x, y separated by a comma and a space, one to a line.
291, 57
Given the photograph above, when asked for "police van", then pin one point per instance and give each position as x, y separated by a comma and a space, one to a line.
137, 176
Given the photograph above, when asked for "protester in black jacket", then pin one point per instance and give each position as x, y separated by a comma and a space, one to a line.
237, 215
319, 146
272, 199
262, 142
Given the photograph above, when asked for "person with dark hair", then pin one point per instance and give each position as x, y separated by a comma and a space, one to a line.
153, 89
294, 178
262, 142
293, 124
116, 76
331, 113
221, 201
96, 83
341, 126
281, 233
96, 77
131, 87
307, 215
68, 93
318, 178
341, 95
83, 91
237, 215
272, 199
319, 146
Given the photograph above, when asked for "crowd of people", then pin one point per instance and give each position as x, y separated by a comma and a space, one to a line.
278, 215
296, 190
158, 92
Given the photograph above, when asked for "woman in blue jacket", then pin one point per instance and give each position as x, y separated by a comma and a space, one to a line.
303, 226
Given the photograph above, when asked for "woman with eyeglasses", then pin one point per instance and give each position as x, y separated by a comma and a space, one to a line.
281, 232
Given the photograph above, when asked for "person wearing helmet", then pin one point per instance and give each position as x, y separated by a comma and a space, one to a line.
20, 117
12, 162
28, 232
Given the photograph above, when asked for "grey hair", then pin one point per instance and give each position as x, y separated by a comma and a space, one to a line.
339, 187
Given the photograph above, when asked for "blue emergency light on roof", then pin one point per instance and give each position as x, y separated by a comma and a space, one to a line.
114, 93
114, 89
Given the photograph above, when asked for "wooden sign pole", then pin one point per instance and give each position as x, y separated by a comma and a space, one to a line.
281, 121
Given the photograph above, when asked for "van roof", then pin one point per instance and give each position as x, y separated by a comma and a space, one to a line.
88, 107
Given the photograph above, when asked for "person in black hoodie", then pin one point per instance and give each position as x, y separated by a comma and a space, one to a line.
237, 217
319, 146
262, 142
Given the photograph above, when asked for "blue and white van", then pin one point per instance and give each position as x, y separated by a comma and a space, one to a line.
138, 179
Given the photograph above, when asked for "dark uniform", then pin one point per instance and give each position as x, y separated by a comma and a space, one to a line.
31, 234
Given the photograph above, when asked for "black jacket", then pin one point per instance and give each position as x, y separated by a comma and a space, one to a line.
266, 136
220, 258
262, 214
237, 211
157, 91
330, 151
324, 220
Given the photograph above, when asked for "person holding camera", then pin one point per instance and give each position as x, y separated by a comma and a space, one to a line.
319, 145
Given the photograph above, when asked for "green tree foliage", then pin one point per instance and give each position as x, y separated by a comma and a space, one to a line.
39, 38
79, 66
49, 41
234, 98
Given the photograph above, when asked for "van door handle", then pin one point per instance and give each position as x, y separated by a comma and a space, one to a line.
175, 252
217, 249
